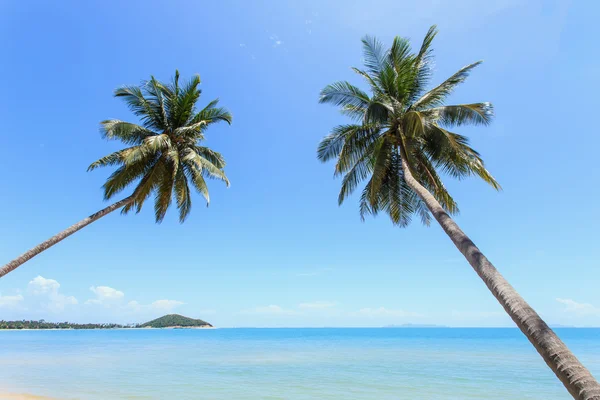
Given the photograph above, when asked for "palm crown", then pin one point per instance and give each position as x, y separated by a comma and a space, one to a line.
401, 122
165, 154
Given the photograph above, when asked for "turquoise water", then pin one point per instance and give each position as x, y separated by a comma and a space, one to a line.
296, 364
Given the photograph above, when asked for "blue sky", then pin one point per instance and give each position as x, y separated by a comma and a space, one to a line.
275, 249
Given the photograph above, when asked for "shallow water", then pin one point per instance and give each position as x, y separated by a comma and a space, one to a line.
296, 364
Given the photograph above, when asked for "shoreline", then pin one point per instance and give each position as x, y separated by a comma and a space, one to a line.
110, 329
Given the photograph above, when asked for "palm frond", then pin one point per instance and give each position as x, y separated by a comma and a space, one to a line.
437, 95
361, 169
403, 63
146, 185
211, 114
462, 114
157, 96
186, 101
213, 156
451, 152
198, 181
372, 83
358, 141
413, 124
204, 166
115, 158
374, 54
423, 65
164, 188
193, 131
182, 195
148, 112
127, 174
126, 132
344, 94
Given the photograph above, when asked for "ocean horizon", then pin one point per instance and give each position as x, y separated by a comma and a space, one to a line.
286, 363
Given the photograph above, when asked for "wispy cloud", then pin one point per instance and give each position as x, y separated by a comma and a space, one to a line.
573, 307
316, 305
10, 301
105, 295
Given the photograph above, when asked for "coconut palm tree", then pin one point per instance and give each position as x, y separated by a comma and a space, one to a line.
401, 144
164, 157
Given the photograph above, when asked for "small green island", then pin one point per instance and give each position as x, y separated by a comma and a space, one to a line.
175, 321
170, 321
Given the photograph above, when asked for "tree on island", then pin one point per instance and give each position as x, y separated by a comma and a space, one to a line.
400, 143
164, 158
166, 321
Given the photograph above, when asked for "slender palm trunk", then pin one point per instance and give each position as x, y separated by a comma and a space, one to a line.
62, 235
577, 379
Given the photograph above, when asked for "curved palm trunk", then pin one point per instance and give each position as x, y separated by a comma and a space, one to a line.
577, 379
62, 235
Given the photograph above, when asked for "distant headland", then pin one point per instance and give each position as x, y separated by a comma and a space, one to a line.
170, 321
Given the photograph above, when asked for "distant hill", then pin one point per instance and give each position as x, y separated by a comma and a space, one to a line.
175, 321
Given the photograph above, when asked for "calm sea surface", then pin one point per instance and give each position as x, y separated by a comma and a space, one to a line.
293, 364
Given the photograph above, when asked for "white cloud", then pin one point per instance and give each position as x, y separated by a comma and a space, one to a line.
105, 295
384, 312
113, 299
165, 305
573, 307
44, 296
317, 305
10, 301
40, 285
48, 291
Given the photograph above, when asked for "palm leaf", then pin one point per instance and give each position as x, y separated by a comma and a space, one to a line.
124, 131
437, 95
462, 114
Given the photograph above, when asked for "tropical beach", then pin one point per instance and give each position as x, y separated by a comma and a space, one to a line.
299, 200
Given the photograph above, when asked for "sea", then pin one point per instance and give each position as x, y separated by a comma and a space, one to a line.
291, 364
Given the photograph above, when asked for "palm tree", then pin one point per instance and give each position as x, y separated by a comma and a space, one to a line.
400, 143
164, 158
